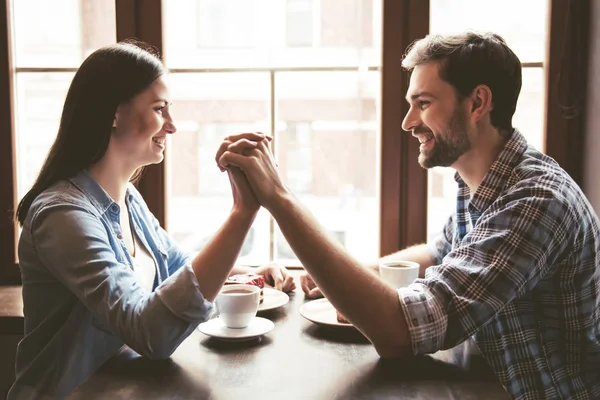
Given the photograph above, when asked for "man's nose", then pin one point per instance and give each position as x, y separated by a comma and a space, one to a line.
411, 120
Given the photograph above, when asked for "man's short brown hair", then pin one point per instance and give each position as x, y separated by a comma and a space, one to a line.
471, 59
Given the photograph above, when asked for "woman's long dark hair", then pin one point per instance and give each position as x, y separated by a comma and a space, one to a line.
110, 76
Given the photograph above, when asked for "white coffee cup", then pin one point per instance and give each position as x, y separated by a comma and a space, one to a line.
398, 273
237, 304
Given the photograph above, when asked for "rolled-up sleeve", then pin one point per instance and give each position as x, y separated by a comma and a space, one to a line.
514, 244
181, 294
153, 324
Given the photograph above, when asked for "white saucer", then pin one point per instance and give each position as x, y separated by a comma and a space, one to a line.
273, 299
215, 328
321, 312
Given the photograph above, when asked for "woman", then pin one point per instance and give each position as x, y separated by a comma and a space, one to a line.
98, 271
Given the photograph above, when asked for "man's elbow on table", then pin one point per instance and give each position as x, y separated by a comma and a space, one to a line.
391, 344
392, 350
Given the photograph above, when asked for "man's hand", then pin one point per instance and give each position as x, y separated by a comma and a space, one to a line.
309, 287
244, 199
277, 276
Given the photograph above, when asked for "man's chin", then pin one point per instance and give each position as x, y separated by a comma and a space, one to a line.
425, 161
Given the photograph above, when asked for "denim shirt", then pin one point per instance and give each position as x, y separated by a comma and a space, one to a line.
82, 301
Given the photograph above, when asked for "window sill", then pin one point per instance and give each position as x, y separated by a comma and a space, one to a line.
11, 310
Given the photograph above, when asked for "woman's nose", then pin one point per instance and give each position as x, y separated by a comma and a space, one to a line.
169, 127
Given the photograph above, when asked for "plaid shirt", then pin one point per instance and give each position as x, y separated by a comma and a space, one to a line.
517, 269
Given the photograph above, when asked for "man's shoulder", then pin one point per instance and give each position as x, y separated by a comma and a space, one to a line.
539, 178
540, 172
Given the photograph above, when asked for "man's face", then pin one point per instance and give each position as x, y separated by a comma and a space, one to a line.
436, 118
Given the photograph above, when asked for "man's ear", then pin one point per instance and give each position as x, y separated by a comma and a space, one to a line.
481, 102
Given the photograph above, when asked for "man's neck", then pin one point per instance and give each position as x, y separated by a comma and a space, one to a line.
475, 164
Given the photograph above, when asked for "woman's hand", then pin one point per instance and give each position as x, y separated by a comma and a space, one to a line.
244, 199
310, 289
277, 276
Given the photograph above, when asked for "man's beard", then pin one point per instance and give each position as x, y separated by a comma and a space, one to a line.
448, 146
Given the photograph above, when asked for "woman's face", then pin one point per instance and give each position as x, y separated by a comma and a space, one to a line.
141, 126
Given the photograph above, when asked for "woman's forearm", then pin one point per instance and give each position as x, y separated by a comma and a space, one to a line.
213, 264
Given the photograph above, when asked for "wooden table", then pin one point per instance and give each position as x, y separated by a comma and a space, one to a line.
296, 360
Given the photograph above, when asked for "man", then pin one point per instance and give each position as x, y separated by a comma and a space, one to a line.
516, 267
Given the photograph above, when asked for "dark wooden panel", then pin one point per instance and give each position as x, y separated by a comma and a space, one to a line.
9, 270
566, 80
403, 181
142, 19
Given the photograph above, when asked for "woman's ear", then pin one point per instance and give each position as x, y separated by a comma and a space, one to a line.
481, 102
114, 125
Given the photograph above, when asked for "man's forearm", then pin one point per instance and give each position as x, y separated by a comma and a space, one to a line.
372, 306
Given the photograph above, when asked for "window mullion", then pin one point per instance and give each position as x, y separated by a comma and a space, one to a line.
272, 111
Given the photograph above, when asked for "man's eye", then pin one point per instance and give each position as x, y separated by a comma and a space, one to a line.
423, 104
159, 109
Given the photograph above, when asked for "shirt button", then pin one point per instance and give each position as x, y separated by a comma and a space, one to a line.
120, 236
114, 208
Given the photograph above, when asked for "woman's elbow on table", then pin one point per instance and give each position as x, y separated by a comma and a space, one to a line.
156, 352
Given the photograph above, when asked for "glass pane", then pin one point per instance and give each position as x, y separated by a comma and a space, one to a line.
60, 33
521, 23
206, 108
529, 119
39, 102
266, 33
529, 116
326, 145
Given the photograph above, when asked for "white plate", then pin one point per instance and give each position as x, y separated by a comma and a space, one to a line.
215, 328
321, 312
273, 299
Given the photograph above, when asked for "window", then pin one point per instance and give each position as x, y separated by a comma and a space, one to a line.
322, 113
299, 23
298, 148
51, 40
525, 32
226, 24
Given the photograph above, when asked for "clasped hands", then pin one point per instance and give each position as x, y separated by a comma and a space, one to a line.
252, 170
255, 181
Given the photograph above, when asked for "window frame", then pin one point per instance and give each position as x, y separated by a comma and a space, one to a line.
402, 182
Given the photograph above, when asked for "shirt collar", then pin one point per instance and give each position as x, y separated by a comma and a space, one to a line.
97, 195
495, 179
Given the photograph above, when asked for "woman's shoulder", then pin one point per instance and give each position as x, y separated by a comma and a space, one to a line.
61, 193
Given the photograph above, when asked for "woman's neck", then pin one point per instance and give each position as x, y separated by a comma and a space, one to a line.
113, 177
